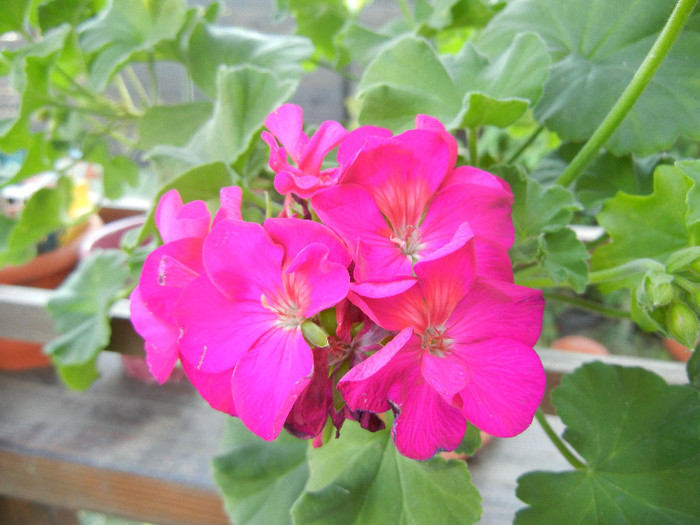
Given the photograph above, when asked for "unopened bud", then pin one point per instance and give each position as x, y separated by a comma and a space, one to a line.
314, 334
655, 289
682, 324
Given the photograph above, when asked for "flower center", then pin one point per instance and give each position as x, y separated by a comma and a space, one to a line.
436, 342
286, 311
408, 240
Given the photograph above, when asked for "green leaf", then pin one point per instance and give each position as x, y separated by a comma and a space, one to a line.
79, 377
44, 213
260, 480
466, 90
649, 226
172, 125
118, 172
246, 96
692, 170
127, 27
80, 308
13, 14
320, 20
639, 438
597, 46
56, 12
361, 478
211, 47
565, 259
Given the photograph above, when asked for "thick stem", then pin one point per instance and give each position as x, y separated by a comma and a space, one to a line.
624, 270
556, 440
629, 96
406, 13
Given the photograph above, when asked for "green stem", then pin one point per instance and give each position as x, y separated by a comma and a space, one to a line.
134, 78
472, 144
624, 270
525, 145
407, 13
587, 305
561, 447
124, 93
153, 77
629, 96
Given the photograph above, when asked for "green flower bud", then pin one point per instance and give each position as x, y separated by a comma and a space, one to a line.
655, 289
314, 334
682, 324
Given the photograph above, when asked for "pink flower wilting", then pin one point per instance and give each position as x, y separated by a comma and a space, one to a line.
167, 271
401, 200
243, 317
463, 353
305, 176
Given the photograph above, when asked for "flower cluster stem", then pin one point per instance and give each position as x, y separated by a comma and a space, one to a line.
556, 440
629, 96
587, 305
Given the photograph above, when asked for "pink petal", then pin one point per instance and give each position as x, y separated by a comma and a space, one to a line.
315, 282
286, 123
242, 260
407, 309
431, 123
367, 385
446, 375
495, 309
166, 272
493, 261
296, 234
425, 423
357, 140
269, 378
352, 213
506, 385
214, 388
311, 409
230, 198
445, 280
327, 137
471, 175
217, 332
486, 210
160, 336
176, 221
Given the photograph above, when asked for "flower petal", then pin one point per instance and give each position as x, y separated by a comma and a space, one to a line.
160, 336
311, 409
230, 198
506, 385
177, 221
296, 234
217, 332
327, 137
269, 378
215, 388
286, 123
494, 309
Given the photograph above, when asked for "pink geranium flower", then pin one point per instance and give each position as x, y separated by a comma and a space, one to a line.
401, 200
167, 271
243, 317
304, 177
463, 353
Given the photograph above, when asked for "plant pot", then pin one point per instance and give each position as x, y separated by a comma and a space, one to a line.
47, 271
677, 350
580, 344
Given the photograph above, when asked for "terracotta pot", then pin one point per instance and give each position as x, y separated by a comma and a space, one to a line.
678, 351
47, 271
581, 344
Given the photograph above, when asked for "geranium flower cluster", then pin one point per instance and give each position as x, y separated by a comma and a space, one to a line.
399, 295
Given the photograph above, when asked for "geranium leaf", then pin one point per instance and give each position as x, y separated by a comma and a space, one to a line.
692, 170
648, 226
361, 478
127, 27
320, 20
246, 95
213, 46
260, 480
13, 13
80, 308
565, 259
597, 46
466, 90
639, 438
172, 125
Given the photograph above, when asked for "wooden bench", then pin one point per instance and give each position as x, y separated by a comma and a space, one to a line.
143, 451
